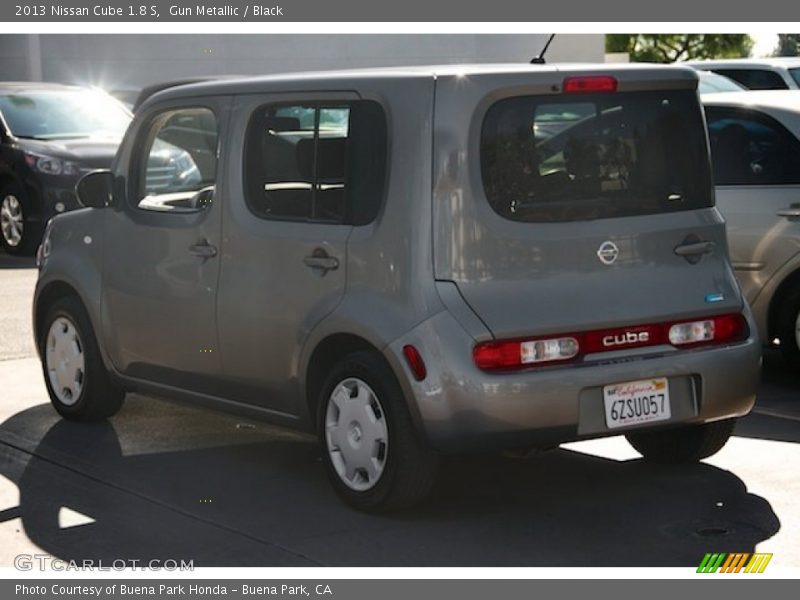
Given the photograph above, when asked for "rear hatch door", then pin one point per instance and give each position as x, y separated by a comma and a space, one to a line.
577, 211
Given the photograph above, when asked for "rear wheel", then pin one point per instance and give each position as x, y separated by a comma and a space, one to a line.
76, 378
687, 444
372, 452
18, 234
788, 327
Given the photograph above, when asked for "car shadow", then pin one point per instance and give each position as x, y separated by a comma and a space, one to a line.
776, 415
163, 481
8, 261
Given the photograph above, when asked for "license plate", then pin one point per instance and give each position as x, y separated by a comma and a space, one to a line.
636, 402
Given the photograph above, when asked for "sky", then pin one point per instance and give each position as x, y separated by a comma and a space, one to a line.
765, 43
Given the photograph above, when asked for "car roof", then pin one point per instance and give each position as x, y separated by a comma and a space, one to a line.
746, 63
251, 83
786, 100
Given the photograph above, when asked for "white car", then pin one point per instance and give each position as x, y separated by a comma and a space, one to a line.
755, 147
756, 73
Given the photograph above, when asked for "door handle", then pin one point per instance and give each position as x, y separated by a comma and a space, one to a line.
320, 259
792, 212
694, 249
203, 250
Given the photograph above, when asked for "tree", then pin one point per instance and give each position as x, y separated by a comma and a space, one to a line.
788, 44
670, 47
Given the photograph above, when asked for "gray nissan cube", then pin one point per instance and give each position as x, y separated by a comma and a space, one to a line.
410, 263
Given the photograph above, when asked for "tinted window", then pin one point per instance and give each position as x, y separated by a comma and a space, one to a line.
560, 158
316, 162
751, 148
795, 73
64, 114
755, 79
712, 83
179, 163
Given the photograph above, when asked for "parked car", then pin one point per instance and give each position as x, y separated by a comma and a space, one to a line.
529, 289
756, 73
50, 135
755, 146
714, 83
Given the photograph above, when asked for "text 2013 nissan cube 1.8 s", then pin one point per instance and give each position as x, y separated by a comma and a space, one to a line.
410, 262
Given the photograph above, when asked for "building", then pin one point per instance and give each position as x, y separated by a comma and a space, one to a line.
128, 62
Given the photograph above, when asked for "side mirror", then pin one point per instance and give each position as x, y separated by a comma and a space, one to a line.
95, 189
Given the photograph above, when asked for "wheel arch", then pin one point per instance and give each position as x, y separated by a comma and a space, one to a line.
326, 353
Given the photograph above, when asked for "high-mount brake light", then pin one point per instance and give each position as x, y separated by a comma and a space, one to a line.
586, 84
517, 354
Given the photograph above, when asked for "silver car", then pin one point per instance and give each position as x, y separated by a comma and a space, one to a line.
778, 73
410, 262
755, 146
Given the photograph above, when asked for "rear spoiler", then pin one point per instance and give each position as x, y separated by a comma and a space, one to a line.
165, 85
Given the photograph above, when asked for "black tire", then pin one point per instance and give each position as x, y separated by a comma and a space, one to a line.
98, 397
788, 311
686, 444
410, 465
31, 234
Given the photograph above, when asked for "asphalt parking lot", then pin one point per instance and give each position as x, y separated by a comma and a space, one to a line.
162, 480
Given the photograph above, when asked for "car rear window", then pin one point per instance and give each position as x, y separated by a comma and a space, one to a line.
594, 156
755, 79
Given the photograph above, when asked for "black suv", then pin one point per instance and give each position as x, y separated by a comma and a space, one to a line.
50, 135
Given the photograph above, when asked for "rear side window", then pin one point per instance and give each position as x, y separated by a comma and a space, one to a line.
316, 162
751, 148
593, 156
755, 79
795, 73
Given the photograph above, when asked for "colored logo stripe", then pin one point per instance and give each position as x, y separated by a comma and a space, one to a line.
734, 563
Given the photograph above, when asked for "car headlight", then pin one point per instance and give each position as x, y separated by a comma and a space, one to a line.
50, 165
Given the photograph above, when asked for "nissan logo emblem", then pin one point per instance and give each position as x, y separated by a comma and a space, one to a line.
608, 253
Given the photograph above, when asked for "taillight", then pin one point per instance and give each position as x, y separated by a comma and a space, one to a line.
716, 330
515, 354
510, 355
586, 84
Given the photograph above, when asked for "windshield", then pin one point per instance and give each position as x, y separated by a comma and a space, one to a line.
711, 83
795, 73
63, 114
563, 158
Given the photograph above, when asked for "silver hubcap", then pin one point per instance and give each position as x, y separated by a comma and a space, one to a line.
65, 361
11, 220
356, 435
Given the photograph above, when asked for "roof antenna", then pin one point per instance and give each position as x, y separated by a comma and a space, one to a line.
539, 60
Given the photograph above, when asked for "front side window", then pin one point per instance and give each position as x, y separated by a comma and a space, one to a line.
751, 148
179, 164
795, 73
590, 156
316, 162
755, 79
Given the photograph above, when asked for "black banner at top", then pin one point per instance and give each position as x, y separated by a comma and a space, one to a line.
398, 11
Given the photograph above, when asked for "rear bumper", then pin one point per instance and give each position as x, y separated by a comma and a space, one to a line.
461, 408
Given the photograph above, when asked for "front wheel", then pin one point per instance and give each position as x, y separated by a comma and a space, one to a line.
686, 444
18, 234
372, 452
76, 378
